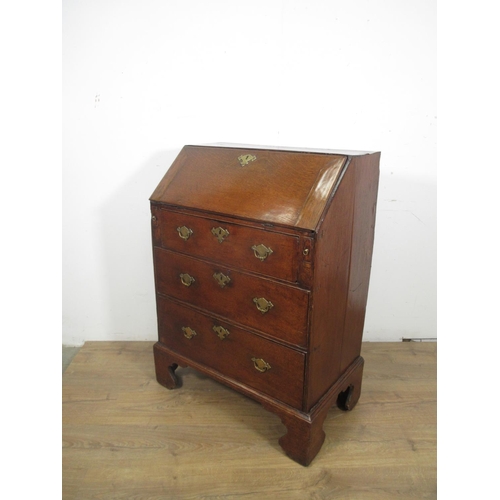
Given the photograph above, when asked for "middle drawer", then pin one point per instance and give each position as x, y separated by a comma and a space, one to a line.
276, 309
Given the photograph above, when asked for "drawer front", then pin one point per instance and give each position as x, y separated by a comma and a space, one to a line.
247, 358
263, 252
277, 309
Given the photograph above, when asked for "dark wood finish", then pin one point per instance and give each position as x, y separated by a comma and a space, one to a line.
287, 319
236, 249
366, 172
331, 278
165, 367
343, 255
212, 180
305, 434
316, 211
232, 356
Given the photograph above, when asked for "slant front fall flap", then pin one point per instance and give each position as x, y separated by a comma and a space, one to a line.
246, 183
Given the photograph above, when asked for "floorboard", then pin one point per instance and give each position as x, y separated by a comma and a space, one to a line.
127, 437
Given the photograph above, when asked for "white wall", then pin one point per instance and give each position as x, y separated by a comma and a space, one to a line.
141, 78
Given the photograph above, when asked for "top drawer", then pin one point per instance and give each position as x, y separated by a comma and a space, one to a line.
260, 251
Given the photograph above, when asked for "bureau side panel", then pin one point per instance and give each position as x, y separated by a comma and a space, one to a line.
329, 297
366, 171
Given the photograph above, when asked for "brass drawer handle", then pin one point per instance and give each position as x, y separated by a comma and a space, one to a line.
221, 279
221, 332
189, 333
220, 233
186, 279
261, 365
184, 232
262, 304
261, 251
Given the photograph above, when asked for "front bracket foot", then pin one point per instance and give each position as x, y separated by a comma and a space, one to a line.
305, 434
165, 369
304, 437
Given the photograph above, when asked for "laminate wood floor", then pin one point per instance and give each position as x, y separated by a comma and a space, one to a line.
127, 437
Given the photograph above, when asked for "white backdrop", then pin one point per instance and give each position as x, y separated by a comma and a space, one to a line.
142, 78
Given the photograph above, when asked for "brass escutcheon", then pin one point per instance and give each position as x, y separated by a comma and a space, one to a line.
189, 333
261, 251
186, 279
262, 304
261, 365
221, 332
246, 159
220, 233
221, 279
184, 232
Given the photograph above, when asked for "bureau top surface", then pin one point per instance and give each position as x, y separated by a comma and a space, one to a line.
289, 188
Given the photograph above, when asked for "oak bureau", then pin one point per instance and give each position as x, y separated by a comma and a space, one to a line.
262, 261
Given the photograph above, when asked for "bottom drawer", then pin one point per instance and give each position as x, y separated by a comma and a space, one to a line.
247, 358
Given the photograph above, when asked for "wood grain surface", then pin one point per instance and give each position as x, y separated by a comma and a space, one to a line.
211, 179
286, 320
127, 437
233, 355
236, 248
